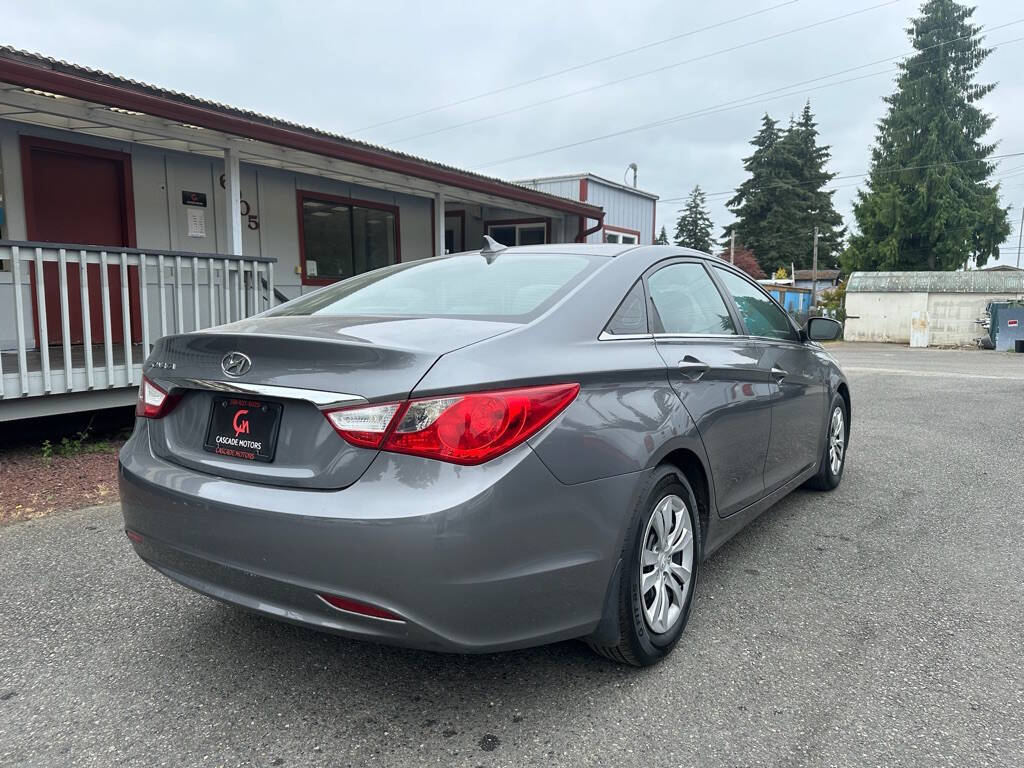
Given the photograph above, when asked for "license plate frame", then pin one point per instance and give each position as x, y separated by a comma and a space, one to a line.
242, 428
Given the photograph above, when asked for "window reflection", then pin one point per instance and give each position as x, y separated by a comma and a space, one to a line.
760, 314
687, 301
342, 239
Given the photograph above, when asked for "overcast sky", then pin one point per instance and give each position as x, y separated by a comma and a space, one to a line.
346, 66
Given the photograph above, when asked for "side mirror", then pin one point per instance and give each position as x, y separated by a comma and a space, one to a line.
823, 329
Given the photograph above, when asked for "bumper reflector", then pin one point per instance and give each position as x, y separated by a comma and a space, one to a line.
349, 605
136, 537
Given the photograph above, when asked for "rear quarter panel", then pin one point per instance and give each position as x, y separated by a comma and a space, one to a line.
625, 418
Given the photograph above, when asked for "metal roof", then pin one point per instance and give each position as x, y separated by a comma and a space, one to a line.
973, 281
593, 177
35, 71
823, 274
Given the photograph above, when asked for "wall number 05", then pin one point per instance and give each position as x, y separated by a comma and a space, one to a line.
252, 219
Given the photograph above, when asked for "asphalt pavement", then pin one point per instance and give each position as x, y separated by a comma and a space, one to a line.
878, 625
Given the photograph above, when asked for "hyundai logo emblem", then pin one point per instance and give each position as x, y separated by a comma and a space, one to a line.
235, 364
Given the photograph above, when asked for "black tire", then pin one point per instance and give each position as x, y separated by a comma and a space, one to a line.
827, 479
638, 644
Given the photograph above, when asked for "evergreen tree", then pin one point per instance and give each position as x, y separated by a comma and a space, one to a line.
816, 210
693, 230
765, 204
662, 237
928, 203
784, 196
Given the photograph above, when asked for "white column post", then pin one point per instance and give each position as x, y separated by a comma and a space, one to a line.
439, 224
814, 271
233, 201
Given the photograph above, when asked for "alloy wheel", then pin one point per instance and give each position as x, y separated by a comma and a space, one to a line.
836, 441
666, 564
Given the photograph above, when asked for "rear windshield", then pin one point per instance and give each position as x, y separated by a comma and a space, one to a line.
514, 287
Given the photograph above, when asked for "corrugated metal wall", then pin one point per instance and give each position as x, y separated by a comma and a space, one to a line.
569, 188
622, 209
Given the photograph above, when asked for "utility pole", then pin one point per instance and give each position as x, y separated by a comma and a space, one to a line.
732, 248
1020, 231
814, 271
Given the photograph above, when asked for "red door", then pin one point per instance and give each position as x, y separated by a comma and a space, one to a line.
81, 196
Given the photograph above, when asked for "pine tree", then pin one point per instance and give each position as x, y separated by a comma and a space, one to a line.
662, 237
784, 196
766, 204
928, 203
816, 209
693, 230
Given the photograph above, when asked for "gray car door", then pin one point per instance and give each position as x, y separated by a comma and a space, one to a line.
714, 370
798, 380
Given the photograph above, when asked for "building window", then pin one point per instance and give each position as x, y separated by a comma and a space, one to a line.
623, 238
341, 238
519, 232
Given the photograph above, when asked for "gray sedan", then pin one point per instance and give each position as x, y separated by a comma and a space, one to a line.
483, 451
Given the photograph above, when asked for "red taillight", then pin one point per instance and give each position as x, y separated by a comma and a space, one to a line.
463, 429
354, 606
153, 402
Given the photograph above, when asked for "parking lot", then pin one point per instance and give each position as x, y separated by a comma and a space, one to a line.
882, 624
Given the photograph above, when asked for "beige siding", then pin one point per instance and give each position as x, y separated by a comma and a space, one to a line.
885, 316
882, 316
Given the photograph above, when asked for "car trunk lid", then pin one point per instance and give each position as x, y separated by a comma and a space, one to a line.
297, 367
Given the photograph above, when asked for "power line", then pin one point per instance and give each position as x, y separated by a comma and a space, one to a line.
645, 73
858, 175
573, 68
724, 107
734, 104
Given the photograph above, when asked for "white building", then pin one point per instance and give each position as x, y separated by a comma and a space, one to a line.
128, 211
935, 308
628, 211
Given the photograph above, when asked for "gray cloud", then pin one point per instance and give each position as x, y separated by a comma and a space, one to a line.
342, 66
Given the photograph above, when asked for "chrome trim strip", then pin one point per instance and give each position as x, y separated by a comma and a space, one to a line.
318, 397
670, 336
605, 336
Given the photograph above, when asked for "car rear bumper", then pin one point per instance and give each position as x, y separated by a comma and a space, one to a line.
472, 559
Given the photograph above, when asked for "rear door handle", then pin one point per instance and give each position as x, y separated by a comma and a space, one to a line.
778, 374
692, 368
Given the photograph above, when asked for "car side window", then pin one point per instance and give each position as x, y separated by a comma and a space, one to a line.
760, 314
686, 300
631, 316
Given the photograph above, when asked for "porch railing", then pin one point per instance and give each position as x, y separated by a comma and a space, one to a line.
76, 318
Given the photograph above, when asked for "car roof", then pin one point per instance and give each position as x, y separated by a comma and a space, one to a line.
570, 249
610, 250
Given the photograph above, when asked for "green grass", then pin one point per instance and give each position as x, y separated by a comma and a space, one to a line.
79, 444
